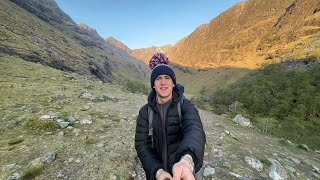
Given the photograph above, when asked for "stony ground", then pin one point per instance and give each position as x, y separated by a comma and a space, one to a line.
56, 125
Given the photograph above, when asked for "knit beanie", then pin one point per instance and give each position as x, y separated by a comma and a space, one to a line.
159, 65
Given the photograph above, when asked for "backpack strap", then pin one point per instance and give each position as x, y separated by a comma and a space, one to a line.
179, 110
150, 118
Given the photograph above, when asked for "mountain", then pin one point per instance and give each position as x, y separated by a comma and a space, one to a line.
146, 53
39, 31
118, 44
250, 34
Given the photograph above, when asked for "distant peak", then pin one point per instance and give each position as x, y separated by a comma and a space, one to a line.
117, 43
86, 27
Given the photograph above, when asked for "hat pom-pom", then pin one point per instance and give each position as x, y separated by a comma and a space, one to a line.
158, 58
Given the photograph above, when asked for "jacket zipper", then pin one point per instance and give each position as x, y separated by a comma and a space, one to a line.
164, 137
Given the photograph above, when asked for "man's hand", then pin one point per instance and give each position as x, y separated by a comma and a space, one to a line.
182, 170
163, 175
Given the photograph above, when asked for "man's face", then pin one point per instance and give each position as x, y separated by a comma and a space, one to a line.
163, 86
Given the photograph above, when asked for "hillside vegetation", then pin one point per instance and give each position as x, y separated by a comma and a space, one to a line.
81, 123
282, 99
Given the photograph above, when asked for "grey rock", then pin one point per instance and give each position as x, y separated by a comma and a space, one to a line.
256, 164
235, 175
208, 171
295, 160
59, 120
10, 166
87, 120
72, 120
292, 169
234, 106
49, 117
100, 145
63, 124
90, 96
276, 171
15, 176
316, 169
242, 121
110, 97
316, 175
49, 157
61, 134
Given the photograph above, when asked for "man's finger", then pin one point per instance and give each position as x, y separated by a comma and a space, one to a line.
188, 176
177, 172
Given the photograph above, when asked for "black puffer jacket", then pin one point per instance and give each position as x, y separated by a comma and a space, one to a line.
190, 138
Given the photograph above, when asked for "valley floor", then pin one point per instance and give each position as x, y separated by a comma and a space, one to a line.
56, 125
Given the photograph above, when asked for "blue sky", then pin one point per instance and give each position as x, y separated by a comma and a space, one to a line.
144, 23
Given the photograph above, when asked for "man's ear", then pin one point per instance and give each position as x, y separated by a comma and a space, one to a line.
173, 85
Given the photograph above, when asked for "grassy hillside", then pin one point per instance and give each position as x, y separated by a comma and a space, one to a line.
281, 99
197, 81
31, 90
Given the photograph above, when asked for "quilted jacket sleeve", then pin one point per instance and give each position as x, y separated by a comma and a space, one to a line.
194, 138
150, 162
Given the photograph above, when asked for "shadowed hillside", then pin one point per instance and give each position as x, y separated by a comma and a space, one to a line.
51, 37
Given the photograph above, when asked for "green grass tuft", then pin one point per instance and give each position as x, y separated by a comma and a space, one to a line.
32, 172
15, 141
40, 126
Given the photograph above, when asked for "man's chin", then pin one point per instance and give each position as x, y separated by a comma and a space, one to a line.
163, 96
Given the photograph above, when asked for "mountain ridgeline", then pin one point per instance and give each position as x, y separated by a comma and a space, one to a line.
248, 35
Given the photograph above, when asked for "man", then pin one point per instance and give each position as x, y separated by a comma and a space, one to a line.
175, 149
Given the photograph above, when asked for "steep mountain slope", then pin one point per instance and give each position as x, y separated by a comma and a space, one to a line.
252, 33
39, 31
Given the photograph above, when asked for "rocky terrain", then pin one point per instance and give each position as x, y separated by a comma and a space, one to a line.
58, 125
